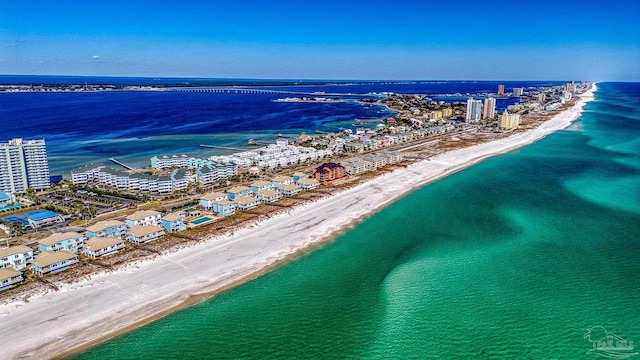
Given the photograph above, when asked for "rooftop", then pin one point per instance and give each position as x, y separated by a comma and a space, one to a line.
41, 215
237, 189
142, 230
8, 272
268, 193
46, 258
56, 238
213, 196
244, 200
282, 178
12, 250
97, 243
174, 216
288, 187
141, 214
260, 183
104, 225
308, 181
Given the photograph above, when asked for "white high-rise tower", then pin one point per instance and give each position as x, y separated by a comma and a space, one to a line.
23, 164
474, 110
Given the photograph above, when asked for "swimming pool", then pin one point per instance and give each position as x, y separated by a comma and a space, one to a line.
201, 220
10, 207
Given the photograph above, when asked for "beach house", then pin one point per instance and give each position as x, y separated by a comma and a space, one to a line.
69, 241
208, 201
101, 246
16, 257
113, 228
279, 180
308, 183
246, 202
238, 191
144, 217
289, 189
139, 234
267, 196
225, 208
9, 278
52, 262
173, 222
261, 185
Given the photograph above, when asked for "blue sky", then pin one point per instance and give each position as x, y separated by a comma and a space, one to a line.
482, 40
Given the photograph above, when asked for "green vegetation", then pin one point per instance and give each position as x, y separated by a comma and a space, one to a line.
114, 193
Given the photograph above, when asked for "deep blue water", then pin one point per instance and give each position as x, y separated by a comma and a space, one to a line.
85, 127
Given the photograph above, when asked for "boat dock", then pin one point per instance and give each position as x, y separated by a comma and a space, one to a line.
113, 160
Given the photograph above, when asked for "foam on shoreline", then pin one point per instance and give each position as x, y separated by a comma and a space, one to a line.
82, 314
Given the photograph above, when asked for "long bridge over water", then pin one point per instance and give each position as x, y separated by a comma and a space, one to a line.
234, 90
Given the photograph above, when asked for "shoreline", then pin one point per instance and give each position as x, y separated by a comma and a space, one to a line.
145, 291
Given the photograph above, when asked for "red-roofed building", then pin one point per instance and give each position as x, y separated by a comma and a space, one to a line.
329, 172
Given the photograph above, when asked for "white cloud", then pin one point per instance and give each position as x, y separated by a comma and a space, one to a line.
96, 57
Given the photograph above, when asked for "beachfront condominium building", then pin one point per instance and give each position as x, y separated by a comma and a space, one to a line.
474, 110
23, 164
500, 89
518, 91
489, 110
509, 121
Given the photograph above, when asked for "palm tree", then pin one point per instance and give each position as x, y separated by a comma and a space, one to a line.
31, 195
16, 228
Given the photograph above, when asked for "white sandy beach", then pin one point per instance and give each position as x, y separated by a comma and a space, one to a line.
106, 303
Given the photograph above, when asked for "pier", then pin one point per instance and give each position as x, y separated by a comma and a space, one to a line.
113, 160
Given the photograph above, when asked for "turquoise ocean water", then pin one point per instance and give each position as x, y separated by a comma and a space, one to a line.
513, 258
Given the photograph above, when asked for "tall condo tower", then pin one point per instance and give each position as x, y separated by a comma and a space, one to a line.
23, 164
489, 110
500, 89
518, 91
474, 110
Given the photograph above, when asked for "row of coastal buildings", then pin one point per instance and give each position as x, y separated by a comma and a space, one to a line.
58, 252
549, 99
479, 110
256, 193
177, 172
267, 191
61, 251
173, 180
